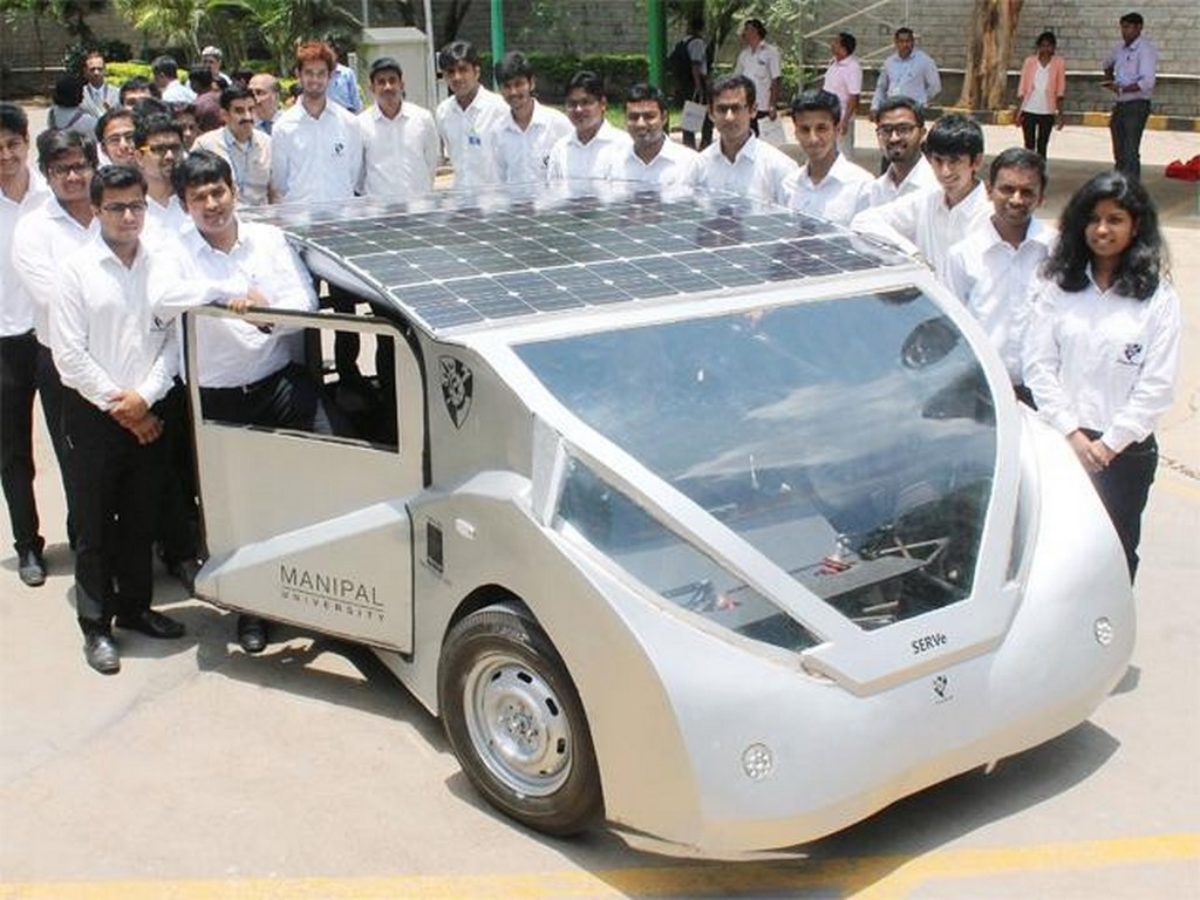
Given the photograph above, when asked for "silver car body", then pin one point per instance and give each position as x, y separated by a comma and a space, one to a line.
708, 738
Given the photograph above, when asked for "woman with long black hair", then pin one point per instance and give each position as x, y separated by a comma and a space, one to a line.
1103, 344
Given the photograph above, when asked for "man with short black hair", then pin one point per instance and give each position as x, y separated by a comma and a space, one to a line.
738, 161
577, 155
400, 143
135, 89
900, 130
343, 82
98, 95
117, 362
760, 62
246, 374
843, 79
651, 157
520, 142
208, 98
21, 190
115, 137
828, 185
160, 146
908, 72
244, 147
465, 116
1130, 71
166, 79
993, 270
931, 221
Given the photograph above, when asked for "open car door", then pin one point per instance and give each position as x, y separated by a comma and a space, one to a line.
314, 529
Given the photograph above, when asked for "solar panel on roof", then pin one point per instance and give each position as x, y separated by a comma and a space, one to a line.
454, 259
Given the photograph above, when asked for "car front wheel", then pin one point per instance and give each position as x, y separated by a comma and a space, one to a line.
515, 722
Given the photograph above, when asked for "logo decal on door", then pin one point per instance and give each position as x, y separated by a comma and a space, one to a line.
458, 385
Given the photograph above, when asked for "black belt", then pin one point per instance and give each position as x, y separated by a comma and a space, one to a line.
247, 389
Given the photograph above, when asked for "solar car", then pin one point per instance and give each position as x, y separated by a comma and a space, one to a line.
688, 515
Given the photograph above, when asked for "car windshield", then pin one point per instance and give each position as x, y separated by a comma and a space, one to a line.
851, 441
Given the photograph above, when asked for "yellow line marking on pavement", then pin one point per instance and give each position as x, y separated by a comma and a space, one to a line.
869, 878
1096, 119
1178, 484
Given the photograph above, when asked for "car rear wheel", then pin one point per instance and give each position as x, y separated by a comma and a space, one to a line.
513, 717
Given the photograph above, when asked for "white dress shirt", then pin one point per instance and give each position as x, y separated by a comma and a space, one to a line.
759, 171
885, 190
315, 159
922, 222
16, 307
520, 157
1097, 360
670, 167
462, 130
178, 92
571, 159
98, 101
164, 222
44, 238
233, 352
838, 197
250, 162
104, 335
996, 282
762, 66
400, 155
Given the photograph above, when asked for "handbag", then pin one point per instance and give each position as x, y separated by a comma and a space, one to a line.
693, 116
771, 131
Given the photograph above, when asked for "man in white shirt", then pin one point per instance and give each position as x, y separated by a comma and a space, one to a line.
908, 72
21, 190
115, 138
247, 375
930, 222
166, 76
577, 155
118, 361
994, 269
900, 129
465, 116
160, 145
316, 155
244, 147
400, 141
520, 143
316, 150
44, 237
651, 157
739, 162
843, 79
828, 185
98, 95
759, 61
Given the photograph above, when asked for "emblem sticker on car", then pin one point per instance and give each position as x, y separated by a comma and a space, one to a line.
458, 384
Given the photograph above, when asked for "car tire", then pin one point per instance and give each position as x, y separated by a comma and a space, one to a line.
515, 722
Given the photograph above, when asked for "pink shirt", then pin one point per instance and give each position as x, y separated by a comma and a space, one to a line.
844, 78
1056, 84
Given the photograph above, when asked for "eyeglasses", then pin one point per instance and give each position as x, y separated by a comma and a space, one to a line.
123, 137
62, 170
899, 130
137, 207
163, 149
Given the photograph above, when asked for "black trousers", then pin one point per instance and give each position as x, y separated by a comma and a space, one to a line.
50, 389
1126, 126
179, 516
287, 398
117, 485
1124, 487
346, 344
18, 384
1036, 128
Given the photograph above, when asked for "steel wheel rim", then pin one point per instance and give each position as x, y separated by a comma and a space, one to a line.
517, 725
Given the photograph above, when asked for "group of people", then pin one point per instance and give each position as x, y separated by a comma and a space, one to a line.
108, 241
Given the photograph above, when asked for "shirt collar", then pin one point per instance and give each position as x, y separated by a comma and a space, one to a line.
106, 257
377, 113
748, 150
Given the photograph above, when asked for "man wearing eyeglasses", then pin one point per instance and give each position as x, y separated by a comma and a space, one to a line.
159, 141
578, 154
900, 129
118, 361
43, 239
98, 96
115, 138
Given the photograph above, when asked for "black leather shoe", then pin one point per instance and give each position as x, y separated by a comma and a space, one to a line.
31, 568
252, 633
101, 653
152, 624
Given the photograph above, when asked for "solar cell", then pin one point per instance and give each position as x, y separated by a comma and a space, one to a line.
454, 259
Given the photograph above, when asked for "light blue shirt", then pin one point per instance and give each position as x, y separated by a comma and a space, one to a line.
1134, 64
916, 77
343, 88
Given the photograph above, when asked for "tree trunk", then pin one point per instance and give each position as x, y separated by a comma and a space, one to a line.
993, 24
